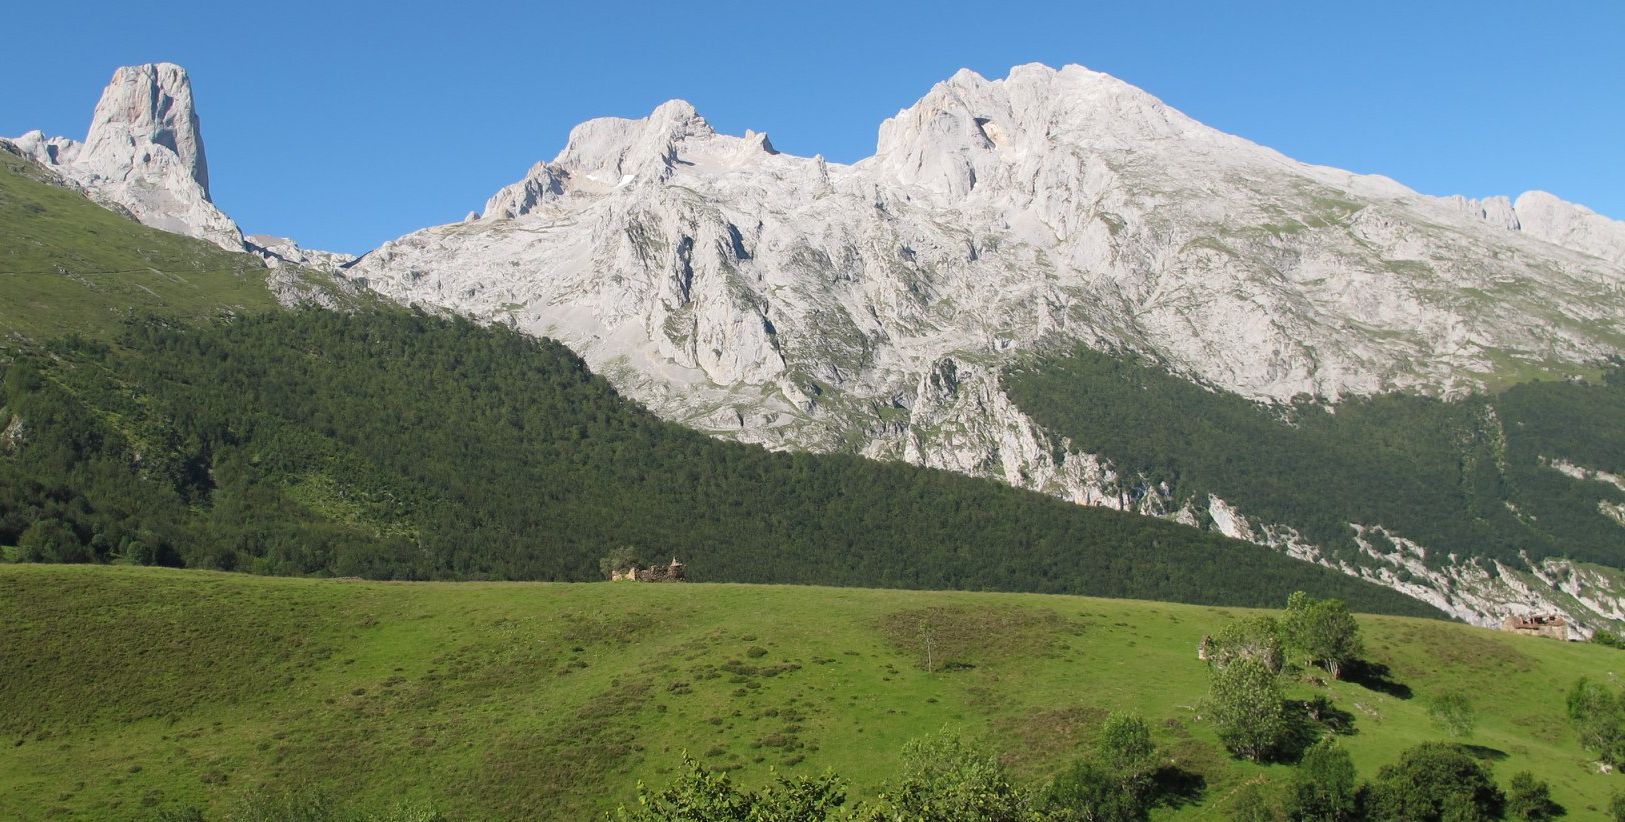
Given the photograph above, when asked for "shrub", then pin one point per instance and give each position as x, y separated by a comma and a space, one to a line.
1324, 630
699, 794
1323, 786
1247, 710
1433, 782
1252, 803
1126, 748
1256, 638
1530, 798
944, 780
1596, 712
1087, 792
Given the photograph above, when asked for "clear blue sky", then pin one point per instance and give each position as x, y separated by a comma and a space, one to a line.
345, 124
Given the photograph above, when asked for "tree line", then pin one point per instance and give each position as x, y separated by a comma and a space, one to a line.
1471, 476
392, 444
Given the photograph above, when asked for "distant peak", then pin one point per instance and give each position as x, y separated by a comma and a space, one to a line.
675, 110
967, 77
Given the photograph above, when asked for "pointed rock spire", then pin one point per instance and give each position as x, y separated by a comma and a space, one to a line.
149, 105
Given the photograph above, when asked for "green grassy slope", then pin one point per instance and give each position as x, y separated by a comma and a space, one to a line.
124, 691
1470, 476
69, 265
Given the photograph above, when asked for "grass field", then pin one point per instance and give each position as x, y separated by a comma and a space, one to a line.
124, 691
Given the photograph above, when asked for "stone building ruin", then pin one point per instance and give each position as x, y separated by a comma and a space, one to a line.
675, 572
1551, 626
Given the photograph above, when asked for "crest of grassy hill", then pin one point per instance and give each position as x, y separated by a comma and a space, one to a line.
68, 265
127, 691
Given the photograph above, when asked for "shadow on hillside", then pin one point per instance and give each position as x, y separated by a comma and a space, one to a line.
1175, 787
1333, 719
1376, 676
1485, 753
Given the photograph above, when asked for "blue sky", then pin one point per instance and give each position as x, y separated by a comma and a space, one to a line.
346, 124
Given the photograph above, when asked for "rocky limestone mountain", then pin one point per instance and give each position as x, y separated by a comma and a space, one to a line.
144, 156
871, 307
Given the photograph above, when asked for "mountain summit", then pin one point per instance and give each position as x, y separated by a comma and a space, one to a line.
872, 307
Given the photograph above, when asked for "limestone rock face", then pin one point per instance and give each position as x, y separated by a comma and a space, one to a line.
1571, 226
870, 307
1556, 221
144, 156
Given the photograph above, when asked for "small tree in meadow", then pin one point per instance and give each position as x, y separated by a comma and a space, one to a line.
1324, 630
1246, 706
698, 794
1089, 792
1434, 782
1323, 785
945, 780
1256, 638
1126, 749
1596, 712
1530, 798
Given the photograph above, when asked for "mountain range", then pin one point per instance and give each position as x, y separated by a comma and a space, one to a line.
918, 305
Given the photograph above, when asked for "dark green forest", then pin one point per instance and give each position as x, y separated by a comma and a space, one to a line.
1470, 476
392, 444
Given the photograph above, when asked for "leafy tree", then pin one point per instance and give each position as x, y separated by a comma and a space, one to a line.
1530, 798
801, 799
1126, 749
1324, 630
1323, 786
1596, 712
1453, 711
1433, 782
1616, 807
945, 780
698, 794
1088, 792
51, 540
1245, 703
619, 560
1257, 638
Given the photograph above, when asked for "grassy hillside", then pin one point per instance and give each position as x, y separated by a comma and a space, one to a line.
1471, 477
69, 265
126, 691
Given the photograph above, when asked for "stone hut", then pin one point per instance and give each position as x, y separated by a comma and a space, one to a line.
675, 572
1551, 626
